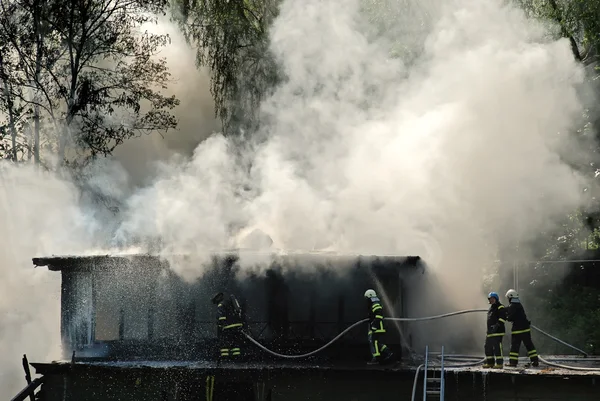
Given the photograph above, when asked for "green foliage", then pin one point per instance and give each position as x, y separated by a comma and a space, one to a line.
578, 21
85, 71
557, 296
232, 41
571, 238
571, 313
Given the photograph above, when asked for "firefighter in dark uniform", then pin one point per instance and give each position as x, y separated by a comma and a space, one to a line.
521, 330
380, 352
229, 324
496, 317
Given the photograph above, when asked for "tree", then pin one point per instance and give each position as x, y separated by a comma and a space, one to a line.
8, 107
23, 33
93, 74
12, 87
232, 41
577, 20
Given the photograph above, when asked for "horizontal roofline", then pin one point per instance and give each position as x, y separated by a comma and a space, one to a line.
57, 262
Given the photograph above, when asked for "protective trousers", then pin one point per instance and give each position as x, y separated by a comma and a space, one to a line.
515, 343
231, 342
378, 349
493, 350
210, 387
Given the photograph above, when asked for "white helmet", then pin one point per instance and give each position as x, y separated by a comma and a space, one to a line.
370, 293
510, 294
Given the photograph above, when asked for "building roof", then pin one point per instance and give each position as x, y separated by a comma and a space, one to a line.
60, 262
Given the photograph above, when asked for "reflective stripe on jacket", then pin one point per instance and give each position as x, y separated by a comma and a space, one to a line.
496, 317
227, 318
375, 316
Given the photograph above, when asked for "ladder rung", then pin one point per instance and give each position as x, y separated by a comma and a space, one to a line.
433, 385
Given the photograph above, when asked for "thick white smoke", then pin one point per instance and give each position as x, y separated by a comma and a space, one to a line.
40, 215
44, 214
448, 155
448, 152
195, 113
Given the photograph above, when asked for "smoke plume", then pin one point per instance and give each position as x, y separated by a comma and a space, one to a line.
195, 114
450, 151
40, 214
44, 213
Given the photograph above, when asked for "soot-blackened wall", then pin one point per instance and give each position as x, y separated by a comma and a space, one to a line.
124, 307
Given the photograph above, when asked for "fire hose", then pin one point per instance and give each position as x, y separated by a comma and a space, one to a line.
418, 319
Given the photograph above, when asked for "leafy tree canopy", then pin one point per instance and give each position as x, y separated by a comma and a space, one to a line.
80, 76
232, 41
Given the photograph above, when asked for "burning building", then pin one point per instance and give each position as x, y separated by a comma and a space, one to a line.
134, 312
137, 327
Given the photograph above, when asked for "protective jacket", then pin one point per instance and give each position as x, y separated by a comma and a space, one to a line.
375, 316
496, 317
229, 314
515, 313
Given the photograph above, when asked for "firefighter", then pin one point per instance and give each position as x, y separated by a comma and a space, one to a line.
496, 318
229, 325
521, 330
380, 352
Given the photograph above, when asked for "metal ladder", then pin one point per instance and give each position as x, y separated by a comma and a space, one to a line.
433, 386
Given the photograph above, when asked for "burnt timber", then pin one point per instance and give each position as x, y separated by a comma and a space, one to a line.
132, 329
128, 307
119, 310
280, 381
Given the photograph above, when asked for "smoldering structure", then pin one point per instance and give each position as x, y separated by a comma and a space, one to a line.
136, 306
122, 315
132, 328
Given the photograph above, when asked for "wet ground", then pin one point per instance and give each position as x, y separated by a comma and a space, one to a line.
455, 364
301, 380
578, 365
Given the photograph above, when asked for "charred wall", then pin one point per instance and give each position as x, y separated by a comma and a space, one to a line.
137, 307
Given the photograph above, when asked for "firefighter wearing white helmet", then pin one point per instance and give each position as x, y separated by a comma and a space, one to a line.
521, 330
380, 352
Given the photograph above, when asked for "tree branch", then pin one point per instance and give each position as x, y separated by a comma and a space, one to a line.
564, 31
